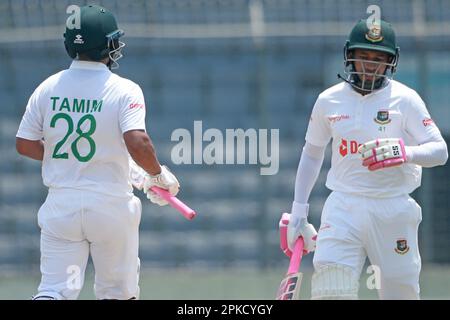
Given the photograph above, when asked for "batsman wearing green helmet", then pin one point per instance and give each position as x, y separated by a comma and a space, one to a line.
97, 39
366, 78
87, 125
382, 136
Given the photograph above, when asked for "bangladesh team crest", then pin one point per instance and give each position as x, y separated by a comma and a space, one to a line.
374, 34
382, 117
402, 246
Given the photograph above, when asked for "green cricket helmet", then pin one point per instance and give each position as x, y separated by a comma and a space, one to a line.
97, 36
371, 36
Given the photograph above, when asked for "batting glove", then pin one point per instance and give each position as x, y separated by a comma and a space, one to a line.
383, 153
165, 180
137, 175
299, 226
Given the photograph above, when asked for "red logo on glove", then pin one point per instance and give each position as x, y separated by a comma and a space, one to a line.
427, 122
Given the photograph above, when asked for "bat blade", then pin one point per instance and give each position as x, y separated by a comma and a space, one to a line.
174, 202
290, 285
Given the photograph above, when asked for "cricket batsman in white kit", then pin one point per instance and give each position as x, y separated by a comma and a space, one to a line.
382, 135
83, 123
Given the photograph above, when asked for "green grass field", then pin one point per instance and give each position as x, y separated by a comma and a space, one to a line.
221, 285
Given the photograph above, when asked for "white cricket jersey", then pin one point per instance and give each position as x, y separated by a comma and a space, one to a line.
81, 114
351, 119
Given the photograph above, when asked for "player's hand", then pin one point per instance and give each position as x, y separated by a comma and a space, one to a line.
282, 225
165, 180
156, 199
299, 226
383, 153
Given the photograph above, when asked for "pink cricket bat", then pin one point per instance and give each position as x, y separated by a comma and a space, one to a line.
174, 202
290, 286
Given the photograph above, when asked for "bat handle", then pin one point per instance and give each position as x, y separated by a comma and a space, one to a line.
174, 202
296, 258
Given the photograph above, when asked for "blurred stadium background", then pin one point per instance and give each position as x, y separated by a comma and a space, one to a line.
232, 64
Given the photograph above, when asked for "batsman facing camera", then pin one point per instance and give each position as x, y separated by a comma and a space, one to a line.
382, 136
366, 74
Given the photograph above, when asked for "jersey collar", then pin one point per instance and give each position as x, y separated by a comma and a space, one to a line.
89, 65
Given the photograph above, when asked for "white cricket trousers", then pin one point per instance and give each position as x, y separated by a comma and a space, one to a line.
77, 223
385, 230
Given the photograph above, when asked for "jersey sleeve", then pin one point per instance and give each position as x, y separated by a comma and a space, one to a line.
31, 126
319, 131
132, 112
418, 122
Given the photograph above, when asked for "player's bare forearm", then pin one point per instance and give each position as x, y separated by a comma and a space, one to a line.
33, 149
141, 149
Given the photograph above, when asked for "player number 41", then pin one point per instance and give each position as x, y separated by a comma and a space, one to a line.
81, 135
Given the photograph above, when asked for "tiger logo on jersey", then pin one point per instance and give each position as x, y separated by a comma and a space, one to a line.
402, 246
382, 117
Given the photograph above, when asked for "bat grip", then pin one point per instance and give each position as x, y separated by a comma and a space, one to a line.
174, 202
296, 258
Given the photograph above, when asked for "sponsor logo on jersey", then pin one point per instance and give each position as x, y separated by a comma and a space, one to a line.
402, 246
374, 34
135, 105
347, 147
78, 39
427, 122
325, 226
382, 117
339, 117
